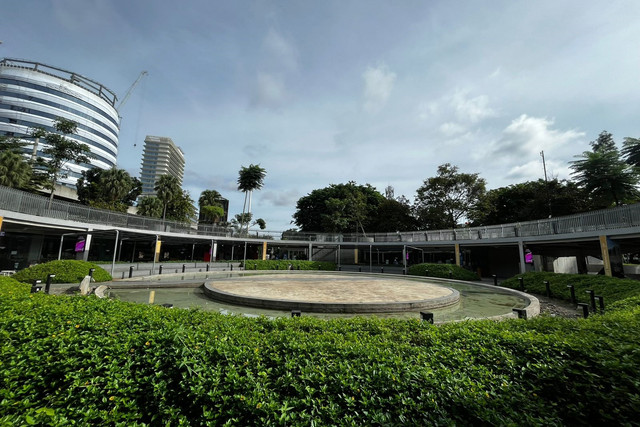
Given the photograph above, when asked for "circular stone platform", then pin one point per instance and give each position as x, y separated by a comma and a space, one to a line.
331, 293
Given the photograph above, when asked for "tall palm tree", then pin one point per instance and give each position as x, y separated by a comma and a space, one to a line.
116, 183
14, 170
249, 179
210, 203
167, 188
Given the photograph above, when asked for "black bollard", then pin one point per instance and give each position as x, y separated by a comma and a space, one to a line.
547, 286
404, 272
47, 288
339, 268
426, 316
296, 313
184, 267
585, 309
359, 269
601, 303
207, 267
592, 297
130, 272
91, 270
495, 280
36, 286
298, 267
255, 266
426, 272
521, 281
572, 290
450, 274
123, 274
160, 270
230, 267
381, 269
521, 312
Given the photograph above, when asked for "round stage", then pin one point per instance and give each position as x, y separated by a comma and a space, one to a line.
331, 293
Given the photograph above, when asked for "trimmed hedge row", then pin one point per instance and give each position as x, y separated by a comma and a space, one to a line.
82, 360
283, 264
611, 288
446, 271
66, 271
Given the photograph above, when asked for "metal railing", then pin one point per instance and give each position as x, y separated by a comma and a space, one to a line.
605, 219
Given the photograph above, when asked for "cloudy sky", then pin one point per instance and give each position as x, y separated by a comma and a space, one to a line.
324, 92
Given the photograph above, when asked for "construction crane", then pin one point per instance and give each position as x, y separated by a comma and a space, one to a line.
128, 94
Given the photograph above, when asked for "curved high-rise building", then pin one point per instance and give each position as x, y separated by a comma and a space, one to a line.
34, 95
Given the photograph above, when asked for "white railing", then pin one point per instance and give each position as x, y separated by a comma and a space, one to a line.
605, 219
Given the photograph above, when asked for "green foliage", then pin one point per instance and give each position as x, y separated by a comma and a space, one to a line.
611, 288
283, 264
150, 206
442, 270
529, 201
112, 189
631, 151
340, 208
442, 201
71, 360
66, 271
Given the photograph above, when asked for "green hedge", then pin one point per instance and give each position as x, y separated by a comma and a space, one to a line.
611, 288
283, 264
81, 360
442, 270
66, 271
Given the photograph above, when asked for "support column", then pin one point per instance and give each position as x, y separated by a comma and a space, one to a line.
521, 251
355, 256
604, 248
310, 252
214, 251
87, 247
404, 257
158, 247
115, 247
457, 252
264, 251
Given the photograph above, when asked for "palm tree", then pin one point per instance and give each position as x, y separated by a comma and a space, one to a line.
249, 179
150, 206
210, 203
167, 188
116, 184
14, 170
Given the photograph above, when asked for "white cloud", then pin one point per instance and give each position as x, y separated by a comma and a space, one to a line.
471, 110
378, 84
269, 91
452, 129
286, 198
281, 50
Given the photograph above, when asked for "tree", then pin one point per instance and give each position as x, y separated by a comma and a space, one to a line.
15, 172
339, 208
442, 201
150, 206
529, 201
607, 178
210, 203
60, 150
112, 189
631, 151
394, 215
181, 207
604, 143
167, 189
249, 179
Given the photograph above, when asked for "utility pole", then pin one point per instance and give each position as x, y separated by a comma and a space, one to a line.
546, 182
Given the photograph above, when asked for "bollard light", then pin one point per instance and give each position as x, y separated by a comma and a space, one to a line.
601, 303
592, 298
207, 267
547, 286
495, 280
184, 267
36, 286
47, 289
381, 269
296, 313
585, 309
521, 312
426, 316
91, 270
359, 269
572, 290
130, 272
450, 274
160, 270
521, 281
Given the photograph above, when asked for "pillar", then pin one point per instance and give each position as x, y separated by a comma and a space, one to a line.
521, 252
264, 251
355, 256
604, 248
457, 252
87, 247
156, 257
310, 252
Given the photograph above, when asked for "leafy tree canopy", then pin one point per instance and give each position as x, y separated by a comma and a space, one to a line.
442, 201
112, 189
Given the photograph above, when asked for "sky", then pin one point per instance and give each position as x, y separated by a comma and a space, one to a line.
326, 92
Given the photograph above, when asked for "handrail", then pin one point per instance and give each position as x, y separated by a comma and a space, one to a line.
626, 216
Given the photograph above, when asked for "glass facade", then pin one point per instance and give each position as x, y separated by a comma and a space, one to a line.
34, 95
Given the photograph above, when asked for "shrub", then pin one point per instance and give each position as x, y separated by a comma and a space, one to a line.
72, 360
283, 264
66, 271
611, 288
446, 271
